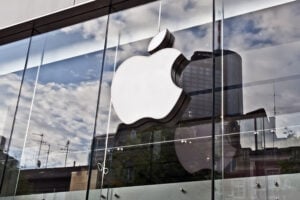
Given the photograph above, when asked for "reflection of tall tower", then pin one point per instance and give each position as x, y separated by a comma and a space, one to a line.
197, 82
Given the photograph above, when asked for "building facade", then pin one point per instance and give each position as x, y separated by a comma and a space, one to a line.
232, 133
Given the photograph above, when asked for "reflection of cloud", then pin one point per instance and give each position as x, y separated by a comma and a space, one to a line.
9, 87
176, 15
262, 28
89, 29
105, 108
193, 39
126, 22
61, 112
65, 111
132, 28
267, 41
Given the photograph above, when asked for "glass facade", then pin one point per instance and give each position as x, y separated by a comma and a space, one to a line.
62, 136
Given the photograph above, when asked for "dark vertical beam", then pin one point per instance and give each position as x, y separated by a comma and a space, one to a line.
255, 134
66, 17
97, 109
213, 101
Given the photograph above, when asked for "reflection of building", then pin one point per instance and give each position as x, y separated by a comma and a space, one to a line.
248, 152
11, 169
197, 82
99, 150
34, 181
271, 161
75, 58
135, 160
79, 180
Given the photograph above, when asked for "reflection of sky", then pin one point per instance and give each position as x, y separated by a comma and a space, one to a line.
268, 42
65, 101
75, 70
12, 56
63, 109
85, 37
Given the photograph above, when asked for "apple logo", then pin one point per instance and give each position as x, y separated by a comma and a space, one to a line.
145, 88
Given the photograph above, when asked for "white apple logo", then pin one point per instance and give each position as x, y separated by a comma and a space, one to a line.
144, 87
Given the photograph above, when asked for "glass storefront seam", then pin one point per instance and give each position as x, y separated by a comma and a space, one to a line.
31, 104
213, 91
96, 115
133, 133
15, 112
219, 85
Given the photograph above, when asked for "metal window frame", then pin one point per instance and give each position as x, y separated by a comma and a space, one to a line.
65, 18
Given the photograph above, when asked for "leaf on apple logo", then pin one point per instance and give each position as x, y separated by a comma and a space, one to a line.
162, 40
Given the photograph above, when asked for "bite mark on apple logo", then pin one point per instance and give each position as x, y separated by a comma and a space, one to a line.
145, 88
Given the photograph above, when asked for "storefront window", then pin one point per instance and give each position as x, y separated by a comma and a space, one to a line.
158, 101
56, 112
157, 157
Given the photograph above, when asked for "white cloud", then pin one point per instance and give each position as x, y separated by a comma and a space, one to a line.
60, 111
268, 43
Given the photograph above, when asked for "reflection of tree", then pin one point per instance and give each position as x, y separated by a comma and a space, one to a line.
147, 157
23, 186
291, 165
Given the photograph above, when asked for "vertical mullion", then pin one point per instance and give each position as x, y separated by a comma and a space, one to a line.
213, 103
16, 111
90, 168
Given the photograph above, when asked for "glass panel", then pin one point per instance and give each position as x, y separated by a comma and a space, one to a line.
260, 147
56, 116
171, 154
12, 63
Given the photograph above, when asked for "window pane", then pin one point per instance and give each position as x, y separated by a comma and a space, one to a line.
12, 63
159, 157
55, 121
260, 147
